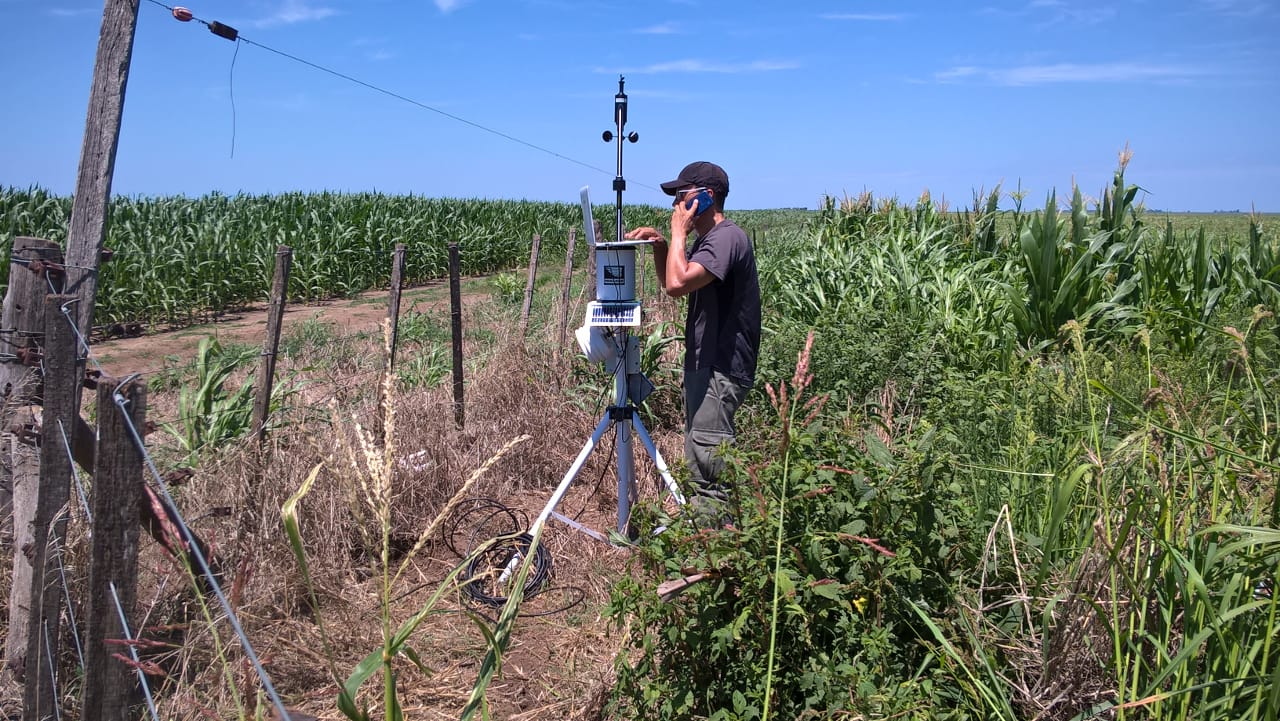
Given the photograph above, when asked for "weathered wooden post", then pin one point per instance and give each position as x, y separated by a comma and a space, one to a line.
528, 286
22, 321
113, 564
393, 307
566, 284
87, 229
391, 337
455, 306
271, 344
61, 386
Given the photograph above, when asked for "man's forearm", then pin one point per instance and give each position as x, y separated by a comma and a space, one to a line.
660, 264
677, 265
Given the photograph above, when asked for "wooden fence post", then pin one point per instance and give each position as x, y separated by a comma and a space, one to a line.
455, 306
566, 284
271, 345
393, 307
391, 337
113, 565
23, 331
61, 386
528, 286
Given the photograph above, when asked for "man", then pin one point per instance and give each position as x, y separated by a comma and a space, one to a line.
716, 268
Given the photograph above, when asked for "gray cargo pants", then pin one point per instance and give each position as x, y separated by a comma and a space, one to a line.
710, 400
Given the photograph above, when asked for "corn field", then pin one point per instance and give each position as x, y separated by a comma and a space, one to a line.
177, 260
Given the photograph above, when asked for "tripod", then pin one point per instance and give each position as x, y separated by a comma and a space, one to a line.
624, 416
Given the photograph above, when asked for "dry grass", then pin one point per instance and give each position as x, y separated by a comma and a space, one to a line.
559, 665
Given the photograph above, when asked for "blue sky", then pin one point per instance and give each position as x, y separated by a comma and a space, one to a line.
796, 100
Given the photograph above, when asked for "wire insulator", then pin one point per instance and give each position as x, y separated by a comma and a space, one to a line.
224, 31
182, 14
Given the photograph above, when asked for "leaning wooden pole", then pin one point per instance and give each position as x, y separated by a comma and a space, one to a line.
113, 560
61, 386
88, 228
271, 344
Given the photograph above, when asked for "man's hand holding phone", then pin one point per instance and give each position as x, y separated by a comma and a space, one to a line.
682, 216
700, 203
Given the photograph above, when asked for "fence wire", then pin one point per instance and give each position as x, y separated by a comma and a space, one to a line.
194, 548
133, 653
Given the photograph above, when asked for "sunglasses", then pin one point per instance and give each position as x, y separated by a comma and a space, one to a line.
681, 194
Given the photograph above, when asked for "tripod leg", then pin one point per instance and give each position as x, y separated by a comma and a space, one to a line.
570, 475
657, 459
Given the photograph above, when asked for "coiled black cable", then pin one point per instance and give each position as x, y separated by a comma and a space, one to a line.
491, 569
485, 518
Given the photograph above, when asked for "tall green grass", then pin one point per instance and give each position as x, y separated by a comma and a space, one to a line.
1076, 466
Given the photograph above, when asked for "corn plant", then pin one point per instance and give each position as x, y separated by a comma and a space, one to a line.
1069, 275
1183, 284
1259, 273
508, 288
209, 414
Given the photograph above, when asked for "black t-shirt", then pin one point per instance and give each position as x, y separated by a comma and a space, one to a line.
722, 330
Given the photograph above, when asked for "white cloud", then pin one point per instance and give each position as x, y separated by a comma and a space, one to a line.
865, 17
448, 6
956, 73
292, 12
1237, 8
1125, 72
1047, 13
73, 12
1060, 11
660, 29
702, 66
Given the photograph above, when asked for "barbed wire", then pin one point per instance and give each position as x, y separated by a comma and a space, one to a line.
188, 537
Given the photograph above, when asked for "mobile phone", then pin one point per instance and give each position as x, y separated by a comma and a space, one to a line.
703, 201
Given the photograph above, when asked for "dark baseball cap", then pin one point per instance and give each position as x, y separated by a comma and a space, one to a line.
701, 173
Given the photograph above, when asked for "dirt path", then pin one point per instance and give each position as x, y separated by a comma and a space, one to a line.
364, 313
